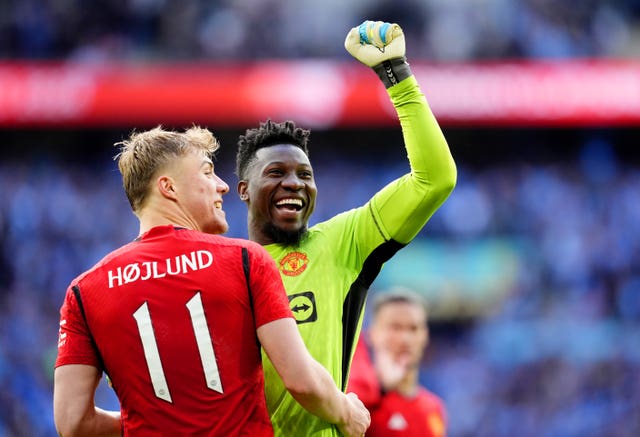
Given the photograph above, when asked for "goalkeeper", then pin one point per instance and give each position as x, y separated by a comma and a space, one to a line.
328, 268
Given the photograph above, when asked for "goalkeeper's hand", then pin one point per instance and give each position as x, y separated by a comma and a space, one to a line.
375, 41
380, 46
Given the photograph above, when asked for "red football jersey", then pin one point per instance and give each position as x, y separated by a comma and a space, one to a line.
398, 416
392, 414
172, 319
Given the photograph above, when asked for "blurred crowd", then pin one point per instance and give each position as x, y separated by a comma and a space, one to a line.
559, 357
437, 30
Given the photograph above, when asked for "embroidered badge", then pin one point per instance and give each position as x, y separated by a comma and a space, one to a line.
435, 424
293, 264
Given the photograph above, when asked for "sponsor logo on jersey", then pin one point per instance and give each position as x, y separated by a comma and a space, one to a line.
397, 422
177, 265
303, 307
294, 263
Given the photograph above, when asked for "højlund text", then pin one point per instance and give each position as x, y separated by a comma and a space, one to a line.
181, 264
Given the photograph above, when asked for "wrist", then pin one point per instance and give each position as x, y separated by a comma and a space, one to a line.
393, 71
345, 412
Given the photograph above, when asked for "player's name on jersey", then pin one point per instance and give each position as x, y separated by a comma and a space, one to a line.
178, 265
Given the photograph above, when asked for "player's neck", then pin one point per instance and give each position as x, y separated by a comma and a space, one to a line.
408, 387
151, 218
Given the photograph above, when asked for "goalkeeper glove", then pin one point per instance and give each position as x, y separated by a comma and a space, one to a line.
380, 46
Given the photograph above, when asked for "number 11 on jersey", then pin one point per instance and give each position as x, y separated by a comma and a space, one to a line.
203, 340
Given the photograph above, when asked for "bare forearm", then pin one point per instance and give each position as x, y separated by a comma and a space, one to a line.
308, 382
318, 394
100, 423
74, 410
324, 400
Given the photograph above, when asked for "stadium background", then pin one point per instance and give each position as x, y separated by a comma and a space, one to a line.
531, 267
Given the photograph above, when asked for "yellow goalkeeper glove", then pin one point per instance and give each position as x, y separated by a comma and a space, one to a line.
380, 46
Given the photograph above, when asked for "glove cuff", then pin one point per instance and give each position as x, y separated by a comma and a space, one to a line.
393, 71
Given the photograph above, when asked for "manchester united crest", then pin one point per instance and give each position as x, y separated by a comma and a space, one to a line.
294, 263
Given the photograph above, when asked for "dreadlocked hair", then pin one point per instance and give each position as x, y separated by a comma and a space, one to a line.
268, 134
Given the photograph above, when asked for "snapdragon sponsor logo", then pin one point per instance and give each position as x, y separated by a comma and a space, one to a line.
178, 265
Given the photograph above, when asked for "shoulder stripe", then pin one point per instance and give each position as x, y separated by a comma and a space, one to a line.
353, 305
78, 296
375, 221
246, 267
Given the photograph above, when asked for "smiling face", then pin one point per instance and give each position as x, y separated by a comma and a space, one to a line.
280, 192
199, 192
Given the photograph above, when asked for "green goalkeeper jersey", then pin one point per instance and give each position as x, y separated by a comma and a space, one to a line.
328, 274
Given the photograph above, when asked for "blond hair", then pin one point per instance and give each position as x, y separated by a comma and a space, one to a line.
143, 154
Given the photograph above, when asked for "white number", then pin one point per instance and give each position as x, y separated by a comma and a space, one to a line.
205, 347
203, 339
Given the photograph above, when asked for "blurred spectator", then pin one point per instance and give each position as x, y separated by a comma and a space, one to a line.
386, 379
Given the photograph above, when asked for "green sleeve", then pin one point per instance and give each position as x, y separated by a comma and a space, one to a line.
404, 206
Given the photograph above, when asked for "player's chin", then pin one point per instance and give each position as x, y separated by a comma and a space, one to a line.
285, 233
289, 225
223, 228
218, 226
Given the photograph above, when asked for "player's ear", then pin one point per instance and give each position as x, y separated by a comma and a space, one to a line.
167, 187
243, 191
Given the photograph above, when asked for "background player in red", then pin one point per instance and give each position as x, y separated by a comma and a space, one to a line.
176, 318
387, 379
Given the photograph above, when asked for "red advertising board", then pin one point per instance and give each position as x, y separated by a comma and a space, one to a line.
316, 93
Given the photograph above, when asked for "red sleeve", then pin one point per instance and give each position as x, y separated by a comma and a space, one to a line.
363, 380
75, 345
436, 412
270, 300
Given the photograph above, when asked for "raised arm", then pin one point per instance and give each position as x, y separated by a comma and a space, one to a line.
308, 382
404, 206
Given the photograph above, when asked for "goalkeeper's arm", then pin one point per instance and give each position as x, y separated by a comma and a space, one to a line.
403, 207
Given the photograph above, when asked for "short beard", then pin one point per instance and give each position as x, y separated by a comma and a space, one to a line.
288, 238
